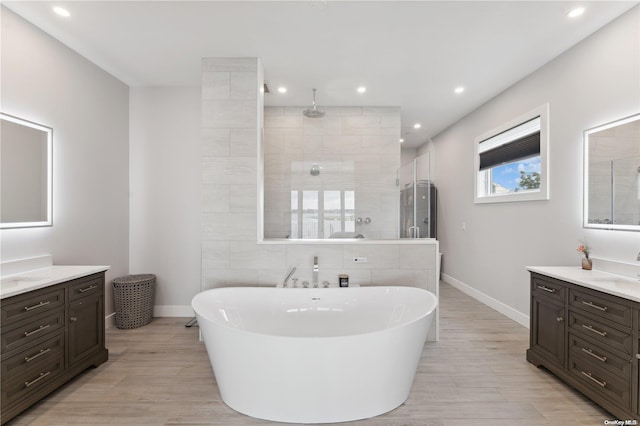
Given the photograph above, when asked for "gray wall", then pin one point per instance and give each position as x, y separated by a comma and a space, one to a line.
486, 247
46, 82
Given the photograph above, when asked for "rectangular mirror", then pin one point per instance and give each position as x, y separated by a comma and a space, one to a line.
25, 173
612, 175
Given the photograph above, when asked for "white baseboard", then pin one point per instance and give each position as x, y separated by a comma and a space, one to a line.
110, 320
173, 311
505, 310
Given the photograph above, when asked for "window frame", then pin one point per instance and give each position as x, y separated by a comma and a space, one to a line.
480, 195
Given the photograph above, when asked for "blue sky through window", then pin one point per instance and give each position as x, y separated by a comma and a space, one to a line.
508, 175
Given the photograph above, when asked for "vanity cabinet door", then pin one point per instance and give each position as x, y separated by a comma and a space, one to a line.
86, 327
548, 330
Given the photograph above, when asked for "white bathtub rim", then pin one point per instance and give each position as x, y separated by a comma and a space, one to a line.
240, 331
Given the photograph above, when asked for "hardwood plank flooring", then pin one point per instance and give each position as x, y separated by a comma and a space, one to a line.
476, 375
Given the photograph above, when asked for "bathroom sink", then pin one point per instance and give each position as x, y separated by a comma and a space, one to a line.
615, 281
16, 280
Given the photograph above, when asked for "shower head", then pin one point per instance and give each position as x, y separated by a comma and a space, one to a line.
313, 112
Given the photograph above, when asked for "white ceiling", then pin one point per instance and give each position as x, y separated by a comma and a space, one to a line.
410, 54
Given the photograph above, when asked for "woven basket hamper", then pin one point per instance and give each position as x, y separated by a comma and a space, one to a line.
133, 299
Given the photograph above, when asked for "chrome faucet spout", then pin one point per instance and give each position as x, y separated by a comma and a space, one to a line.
315, 270
286, 280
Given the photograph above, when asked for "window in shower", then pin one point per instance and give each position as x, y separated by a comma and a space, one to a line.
319, 214
511, 161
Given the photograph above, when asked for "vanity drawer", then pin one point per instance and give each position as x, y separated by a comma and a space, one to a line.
603, 335
22, 386
602, 306
600, 356
600, 381
31, 304
548, 287
88, 286
31, 331
33, 357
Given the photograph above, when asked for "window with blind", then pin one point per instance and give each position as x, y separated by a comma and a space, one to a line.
511, 160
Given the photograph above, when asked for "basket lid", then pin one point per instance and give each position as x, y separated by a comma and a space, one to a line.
132, 279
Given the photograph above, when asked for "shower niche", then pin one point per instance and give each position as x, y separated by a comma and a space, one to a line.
418, 200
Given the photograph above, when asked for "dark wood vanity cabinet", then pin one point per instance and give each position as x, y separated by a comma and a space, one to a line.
48, 337
589, 339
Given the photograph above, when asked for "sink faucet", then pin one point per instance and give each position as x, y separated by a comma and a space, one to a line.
284, 283
315, 270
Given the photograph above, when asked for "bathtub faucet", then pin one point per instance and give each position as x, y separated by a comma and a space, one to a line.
315, 271
284, 283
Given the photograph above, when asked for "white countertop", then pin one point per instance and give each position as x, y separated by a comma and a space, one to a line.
12, 285
617, 285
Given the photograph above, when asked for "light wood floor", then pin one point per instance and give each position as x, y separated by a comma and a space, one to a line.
476, 375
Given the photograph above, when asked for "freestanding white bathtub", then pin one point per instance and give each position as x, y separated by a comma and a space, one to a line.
314, 355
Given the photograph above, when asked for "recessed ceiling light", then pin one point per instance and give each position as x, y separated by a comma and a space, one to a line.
282, 89
362, 89
61, 11
401, 140
417, 126
574, 13
458, 90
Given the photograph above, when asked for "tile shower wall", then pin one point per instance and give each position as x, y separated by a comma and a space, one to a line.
232, 108
356, 148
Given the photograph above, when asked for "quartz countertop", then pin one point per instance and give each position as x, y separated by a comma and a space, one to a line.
617, 285
35, 279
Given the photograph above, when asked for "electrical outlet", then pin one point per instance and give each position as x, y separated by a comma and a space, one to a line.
360, 260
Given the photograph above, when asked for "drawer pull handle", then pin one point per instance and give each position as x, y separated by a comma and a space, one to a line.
545, 288
39, 305
589, 376
590, 328
37, 330
37, 379
39, 354
593, 305
559, 319
596, 356
84, 290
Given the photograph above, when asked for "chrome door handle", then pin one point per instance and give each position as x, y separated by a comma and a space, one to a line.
547, 289
39, 354
590, 377
590, 328
37, 330
37, 379
39, 305
598, 357
83, 290
593, 305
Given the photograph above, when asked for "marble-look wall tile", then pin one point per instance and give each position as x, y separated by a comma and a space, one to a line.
215, 198
215, 278
216, 85
216, 142
232, 114
378, 256
229, 64
301, 256
215, 255
249, 255
242, 85
229, 226
242, 142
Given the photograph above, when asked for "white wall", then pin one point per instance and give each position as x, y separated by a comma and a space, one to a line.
46, 82
593, 83
165, 193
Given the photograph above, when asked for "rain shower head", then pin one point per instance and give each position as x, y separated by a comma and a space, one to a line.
313, 112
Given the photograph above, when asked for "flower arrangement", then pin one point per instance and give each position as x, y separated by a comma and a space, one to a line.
584, 248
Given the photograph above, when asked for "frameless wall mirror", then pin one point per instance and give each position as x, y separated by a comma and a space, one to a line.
612, 175
25, 173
